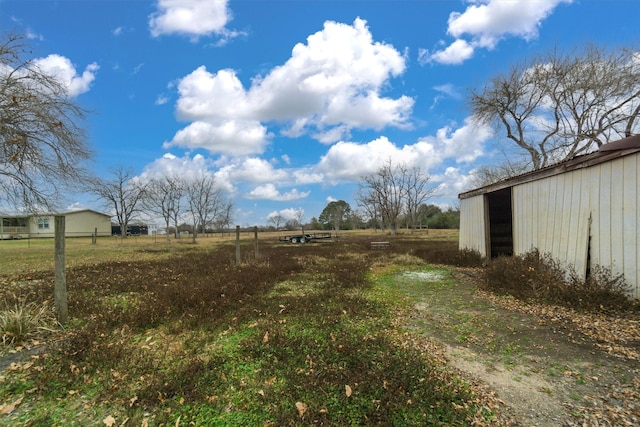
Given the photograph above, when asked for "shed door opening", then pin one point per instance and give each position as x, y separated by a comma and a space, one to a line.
500, 222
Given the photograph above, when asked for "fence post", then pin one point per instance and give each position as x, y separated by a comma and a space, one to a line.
60, 290
238, 245
94, 239
255, 238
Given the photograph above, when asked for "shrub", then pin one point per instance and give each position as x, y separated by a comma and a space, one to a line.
528, 276
540, 277
601, 289
22, 320
451, 256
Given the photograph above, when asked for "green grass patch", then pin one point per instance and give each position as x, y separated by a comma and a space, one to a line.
305, 337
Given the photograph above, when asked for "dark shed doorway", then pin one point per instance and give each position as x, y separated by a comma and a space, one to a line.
500, 222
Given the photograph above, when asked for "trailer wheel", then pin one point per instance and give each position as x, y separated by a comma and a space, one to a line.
303, 239
294, 240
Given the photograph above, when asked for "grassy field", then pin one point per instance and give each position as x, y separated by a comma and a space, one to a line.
330, 333
174, 333
22, 256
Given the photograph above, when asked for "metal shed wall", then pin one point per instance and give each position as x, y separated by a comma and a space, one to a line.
472, 225
596, 207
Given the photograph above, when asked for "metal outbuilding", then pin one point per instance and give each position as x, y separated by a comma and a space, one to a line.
583, 212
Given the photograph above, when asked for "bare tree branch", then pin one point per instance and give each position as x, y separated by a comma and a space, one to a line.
561, 105
42, 146
122, 195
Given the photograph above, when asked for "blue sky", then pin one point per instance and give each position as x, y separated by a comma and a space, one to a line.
288, 103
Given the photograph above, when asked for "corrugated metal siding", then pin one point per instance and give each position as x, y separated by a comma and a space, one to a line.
631, 218
472, 224
556, 215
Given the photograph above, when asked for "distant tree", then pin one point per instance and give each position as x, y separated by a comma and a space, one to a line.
392, 191
417, 190
205, 202
355, 219
276, 219
291, 225
225, 217
426, 212
335, 215
486, 175
42, 145
298, 219
449, 219
314, 224
369, 208
559, 105
122, 194
383, 190
163, 197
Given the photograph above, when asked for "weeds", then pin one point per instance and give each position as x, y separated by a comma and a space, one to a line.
198, 339
24, 319
539, 277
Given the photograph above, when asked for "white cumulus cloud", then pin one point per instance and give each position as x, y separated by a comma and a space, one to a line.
349, 161
66, 74
193, 18
270, 192
486, 22
233, 137
171, 165
330, 85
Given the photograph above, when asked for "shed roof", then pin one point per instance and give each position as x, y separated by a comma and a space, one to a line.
606, 153
53, 214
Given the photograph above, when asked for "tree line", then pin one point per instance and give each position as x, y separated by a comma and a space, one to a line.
174, 199
338, 215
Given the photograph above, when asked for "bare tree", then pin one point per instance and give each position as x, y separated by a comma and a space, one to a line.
42, 145
122, 195
163, 197
560, 105
205, 201
417, 191
392, 191
225, 218
369, 206
385, 190
486, 175
276, 219
298, 218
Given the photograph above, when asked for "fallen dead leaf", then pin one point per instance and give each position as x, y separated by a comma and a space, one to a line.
302, 408
109, 421
9, 408
347, 390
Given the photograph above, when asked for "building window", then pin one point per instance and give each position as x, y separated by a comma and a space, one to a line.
43, 223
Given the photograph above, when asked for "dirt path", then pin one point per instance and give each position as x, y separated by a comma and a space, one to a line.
549, 370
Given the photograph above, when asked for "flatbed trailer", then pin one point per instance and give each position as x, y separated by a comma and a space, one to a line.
304, 238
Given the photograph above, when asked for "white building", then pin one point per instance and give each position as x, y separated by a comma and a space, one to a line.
77, 224
583, 212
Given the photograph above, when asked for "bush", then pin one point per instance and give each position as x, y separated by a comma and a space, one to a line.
539, 277
451, 256
22, 320
601, 289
